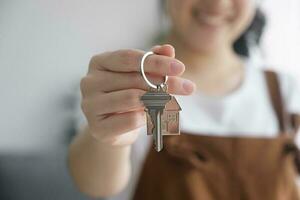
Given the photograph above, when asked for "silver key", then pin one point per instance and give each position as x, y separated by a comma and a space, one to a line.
155, 101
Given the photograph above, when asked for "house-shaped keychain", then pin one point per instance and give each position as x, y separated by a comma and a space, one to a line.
169, 119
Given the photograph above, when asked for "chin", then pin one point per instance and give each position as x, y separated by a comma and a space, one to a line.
204, 44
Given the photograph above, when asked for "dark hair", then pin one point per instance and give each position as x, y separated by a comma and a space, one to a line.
252, 35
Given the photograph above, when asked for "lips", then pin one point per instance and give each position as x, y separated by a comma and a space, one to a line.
211, 19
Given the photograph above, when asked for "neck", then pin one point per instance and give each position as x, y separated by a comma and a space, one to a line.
204, 63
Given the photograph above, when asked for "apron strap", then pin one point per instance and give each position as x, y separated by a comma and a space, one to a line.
288, 122
295, 118
283, 117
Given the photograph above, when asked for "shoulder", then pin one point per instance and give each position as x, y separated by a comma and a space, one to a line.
290, 89
289, 86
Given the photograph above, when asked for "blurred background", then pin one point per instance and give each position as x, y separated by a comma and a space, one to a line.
45, 47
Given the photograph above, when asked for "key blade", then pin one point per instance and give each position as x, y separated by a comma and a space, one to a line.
158, 134
155, 102
156, 131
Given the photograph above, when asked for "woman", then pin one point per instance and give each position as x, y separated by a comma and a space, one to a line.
233, 143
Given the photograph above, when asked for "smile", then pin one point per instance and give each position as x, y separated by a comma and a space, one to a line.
209, 19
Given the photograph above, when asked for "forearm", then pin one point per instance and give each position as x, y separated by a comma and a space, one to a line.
98, 170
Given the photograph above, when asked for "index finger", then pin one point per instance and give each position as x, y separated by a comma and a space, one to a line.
128, 60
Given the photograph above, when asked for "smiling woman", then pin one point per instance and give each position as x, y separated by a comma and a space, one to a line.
251, 36
205, 26
234, 115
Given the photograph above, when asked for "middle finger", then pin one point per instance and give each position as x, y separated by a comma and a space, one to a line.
111, 81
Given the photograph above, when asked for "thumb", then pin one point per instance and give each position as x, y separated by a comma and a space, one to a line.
165, 50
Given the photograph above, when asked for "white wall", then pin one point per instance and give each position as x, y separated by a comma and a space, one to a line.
45, 47
281, 42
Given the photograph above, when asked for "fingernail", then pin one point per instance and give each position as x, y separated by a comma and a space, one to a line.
168, 45
156, 47
188, 86
176, 68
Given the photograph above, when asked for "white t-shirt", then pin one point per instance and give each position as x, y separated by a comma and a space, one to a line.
245, 112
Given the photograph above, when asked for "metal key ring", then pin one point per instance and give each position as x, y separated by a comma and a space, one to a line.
144, 75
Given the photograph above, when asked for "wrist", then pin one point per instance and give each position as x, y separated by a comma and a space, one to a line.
104, 146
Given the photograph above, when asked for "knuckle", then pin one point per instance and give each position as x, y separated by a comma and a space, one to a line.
88, 85
96, 60
124, 53
128, 56
83, 83
158, 62
84, 106
83, 87
93, 61
92, 83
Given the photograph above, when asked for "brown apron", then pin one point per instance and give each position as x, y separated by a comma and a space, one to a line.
195, 167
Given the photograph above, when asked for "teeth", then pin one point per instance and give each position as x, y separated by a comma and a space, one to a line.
211, 20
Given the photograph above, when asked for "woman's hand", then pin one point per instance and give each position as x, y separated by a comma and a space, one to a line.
112, 88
